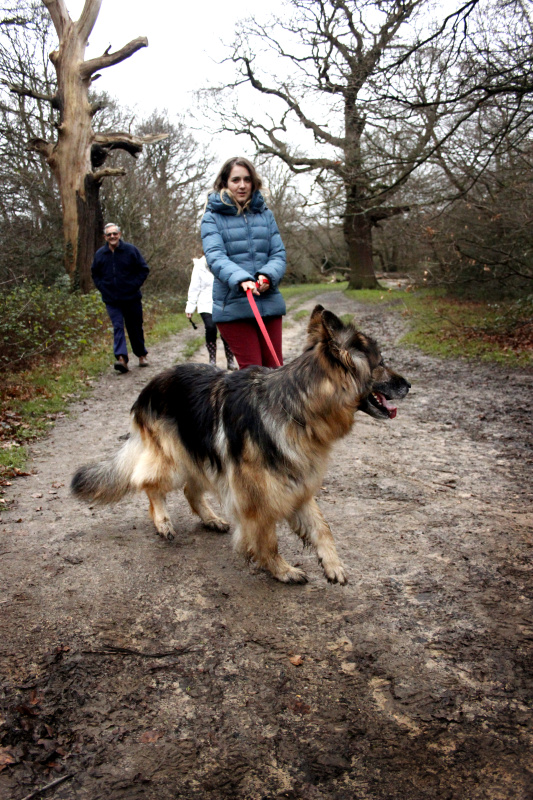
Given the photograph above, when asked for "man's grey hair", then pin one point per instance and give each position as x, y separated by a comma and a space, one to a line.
112, 225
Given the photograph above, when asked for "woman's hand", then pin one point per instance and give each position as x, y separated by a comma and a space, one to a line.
188, 316
245, 285
264, 283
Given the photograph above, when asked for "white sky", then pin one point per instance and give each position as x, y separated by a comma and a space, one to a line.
185, 41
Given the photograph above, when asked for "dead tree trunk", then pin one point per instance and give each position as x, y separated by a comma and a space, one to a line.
77, 157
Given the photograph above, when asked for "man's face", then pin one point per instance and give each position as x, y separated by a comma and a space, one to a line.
112, 236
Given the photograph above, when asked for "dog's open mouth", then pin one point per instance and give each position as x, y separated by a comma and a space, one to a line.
380, 401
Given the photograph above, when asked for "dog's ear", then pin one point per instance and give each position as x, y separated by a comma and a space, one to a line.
332, 323
315, 328
323, 325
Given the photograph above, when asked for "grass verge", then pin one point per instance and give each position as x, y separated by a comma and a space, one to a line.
446, 327
33, 399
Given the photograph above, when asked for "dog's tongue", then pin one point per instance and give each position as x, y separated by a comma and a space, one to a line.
392, 410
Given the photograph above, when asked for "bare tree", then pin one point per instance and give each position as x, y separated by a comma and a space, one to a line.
380, 91
337, 52
78, 155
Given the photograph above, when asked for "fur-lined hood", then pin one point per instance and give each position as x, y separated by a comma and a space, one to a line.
223, 203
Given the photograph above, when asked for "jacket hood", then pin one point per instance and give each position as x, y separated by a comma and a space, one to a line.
227, 206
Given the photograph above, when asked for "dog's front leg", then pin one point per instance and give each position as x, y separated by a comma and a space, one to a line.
309, 524
159, 512
256, 539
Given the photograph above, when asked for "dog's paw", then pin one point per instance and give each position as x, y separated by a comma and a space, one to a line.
335, 574
292, 575
217, 524
166, 530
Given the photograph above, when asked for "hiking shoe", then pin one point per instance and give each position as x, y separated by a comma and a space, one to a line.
121, 365
143, 361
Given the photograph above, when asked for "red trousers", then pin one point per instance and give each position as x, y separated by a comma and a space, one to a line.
247, 343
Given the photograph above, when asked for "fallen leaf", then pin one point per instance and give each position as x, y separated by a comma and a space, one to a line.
37, 494
297, 661
34, 697
151, 736
6, 758
348, 667
299, 708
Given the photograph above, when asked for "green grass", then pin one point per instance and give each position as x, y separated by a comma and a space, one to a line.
302, 291
192, 347
451, 328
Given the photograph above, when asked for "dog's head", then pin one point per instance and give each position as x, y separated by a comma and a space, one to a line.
360, 356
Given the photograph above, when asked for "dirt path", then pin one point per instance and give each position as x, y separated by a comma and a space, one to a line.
145, 669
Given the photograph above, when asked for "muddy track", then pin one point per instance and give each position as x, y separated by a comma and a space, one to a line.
138, 668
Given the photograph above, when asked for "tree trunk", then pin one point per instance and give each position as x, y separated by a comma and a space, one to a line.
70, 159
90, 234
358, 238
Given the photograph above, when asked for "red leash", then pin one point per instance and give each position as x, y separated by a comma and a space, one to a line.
261, 324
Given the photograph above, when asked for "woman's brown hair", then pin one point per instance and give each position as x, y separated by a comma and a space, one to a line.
221, 180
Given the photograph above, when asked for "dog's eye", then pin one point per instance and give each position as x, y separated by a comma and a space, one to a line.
381, 363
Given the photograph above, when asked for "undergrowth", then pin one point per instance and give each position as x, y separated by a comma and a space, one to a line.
500, 332
58, 360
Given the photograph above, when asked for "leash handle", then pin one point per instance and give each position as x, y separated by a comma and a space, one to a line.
261, 324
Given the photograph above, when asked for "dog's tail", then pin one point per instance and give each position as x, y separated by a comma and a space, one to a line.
110, 480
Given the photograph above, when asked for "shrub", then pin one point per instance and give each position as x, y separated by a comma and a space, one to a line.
38, 321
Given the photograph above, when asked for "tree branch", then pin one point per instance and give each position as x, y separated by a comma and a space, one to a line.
41, 146
108, 172
60, 16
88, 68
88, 17
319, 132
127, 141
25, 92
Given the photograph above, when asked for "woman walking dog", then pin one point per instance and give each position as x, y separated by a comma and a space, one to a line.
244, 251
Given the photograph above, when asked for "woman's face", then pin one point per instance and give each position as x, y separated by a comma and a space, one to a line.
240, 184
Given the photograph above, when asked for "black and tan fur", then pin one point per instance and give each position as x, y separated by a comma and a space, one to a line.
259, 438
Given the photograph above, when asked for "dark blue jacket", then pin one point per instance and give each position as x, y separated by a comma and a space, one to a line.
119, 274
238, 248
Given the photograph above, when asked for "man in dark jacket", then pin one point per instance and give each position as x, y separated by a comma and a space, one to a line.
119, 271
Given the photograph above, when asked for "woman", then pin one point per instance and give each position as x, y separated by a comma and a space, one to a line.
243, 248
200, 296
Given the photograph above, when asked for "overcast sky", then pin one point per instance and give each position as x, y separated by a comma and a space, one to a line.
185, 40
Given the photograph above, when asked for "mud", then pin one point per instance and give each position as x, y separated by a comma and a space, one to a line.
137, 668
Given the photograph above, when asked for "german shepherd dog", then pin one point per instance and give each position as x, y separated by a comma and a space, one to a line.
259, 438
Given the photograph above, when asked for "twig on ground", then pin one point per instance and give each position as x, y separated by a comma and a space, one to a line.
49, 786
127, 651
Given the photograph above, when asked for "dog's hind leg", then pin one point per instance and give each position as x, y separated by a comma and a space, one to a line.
194, 492
159, 512
313, 529
257, 541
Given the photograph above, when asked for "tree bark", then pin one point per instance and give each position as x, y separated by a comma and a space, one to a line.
358, 237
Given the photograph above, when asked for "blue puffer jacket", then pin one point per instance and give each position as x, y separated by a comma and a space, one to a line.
238, 248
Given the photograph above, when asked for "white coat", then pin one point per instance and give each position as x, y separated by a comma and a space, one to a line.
200, 288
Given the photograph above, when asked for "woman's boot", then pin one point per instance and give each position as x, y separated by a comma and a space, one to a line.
229, 357
212, 350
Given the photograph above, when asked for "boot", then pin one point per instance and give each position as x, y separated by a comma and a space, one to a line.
229, 357
212, 350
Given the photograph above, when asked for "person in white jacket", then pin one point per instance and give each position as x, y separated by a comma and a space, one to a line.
200, 296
